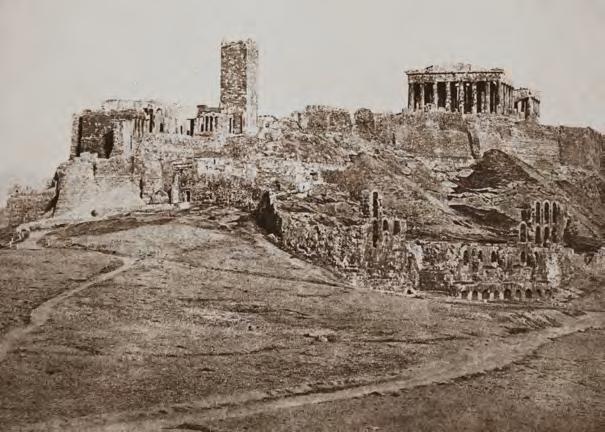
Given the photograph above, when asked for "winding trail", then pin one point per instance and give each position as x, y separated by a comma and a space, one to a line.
40, 315
492, 355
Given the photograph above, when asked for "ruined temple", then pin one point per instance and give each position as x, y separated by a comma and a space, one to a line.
463, 193
467, 89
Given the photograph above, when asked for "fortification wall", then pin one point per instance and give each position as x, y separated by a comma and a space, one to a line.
324, 119
581, 147
442, 135
28, 206
89, 186
431, 135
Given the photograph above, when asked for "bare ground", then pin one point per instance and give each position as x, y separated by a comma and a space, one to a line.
212, 316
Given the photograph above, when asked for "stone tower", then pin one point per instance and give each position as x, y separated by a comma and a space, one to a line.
239, 65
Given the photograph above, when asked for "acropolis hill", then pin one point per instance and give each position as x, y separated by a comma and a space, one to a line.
463, 192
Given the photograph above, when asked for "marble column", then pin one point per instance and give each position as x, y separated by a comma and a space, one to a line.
411, 104
435, 95
488, 96
448, 96
474, 90
460, 96
421, 104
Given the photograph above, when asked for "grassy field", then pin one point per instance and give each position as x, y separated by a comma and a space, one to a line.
211, 311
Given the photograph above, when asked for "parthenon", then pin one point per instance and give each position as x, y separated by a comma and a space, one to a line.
461, 88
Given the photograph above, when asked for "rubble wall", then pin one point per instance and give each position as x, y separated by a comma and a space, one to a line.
323, 119
29, 206
373, 252
89, 186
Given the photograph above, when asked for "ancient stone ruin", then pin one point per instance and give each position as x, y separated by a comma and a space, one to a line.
463, 193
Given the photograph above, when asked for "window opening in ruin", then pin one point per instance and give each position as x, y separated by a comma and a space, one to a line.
191, 127
480, 255
480, 97
491, 96
485, 295
442, 94
468, 98
187, 196
417, 95
523, 233
454, 96
428, 94
536, 258
385, 225
161, 127
546, 213
108, 144
528, 294
538, 236
465, 258
546, 235
553, 237
518, 294
473, 253
494, 256
181, 128
375, 233
396, 227
475, 295
538, 293
375, 203
507, 294
496, 294
537, 218
555, 212
523, 258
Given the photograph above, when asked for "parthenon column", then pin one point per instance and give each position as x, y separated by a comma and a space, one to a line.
435, 95
488, 96
421, 104
501, 100
474, 90
411, 104
461, 96
448, 96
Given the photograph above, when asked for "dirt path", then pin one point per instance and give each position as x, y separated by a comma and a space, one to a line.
493, 354
41, 314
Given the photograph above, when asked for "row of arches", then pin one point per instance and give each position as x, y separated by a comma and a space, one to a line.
546, 212
397, 229
477, 255
506, 294
542, 235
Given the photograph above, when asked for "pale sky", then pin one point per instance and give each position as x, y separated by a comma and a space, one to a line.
60, 56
